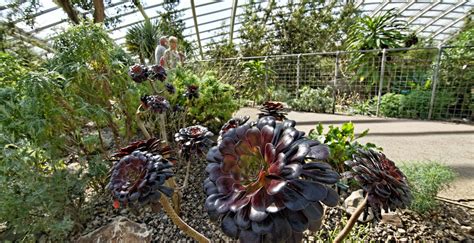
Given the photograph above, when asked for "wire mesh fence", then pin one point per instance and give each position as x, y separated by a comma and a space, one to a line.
424, 83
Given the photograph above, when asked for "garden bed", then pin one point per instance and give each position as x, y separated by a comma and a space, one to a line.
449, 222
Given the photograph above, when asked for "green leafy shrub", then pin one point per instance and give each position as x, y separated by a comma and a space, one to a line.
426, 180
215, 104
342, 143
40, 197
252, 85
366, 108
417, 104
390, 104
313, 100
279, 94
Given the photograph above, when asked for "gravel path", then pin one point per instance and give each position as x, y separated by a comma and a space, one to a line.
408, 140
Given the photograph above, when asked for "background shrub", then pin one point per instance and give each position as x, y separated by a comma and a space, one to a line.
215, 104
416, 104
426, 180
342, 143
313, 100
390, 104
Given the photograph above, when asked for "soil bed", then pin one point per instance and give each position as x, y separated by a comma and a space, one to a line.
449, 222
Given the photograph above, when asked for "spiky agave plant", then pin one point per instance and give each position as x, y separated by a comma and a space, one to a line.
267, 182
275, 109
138, 177
386, 187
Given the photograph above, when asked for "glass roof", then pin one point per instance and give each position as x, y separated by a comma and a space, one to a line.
437, 20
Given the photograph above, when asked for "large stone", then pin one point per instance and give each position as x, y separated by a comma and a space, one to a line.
120, 230
391, 218
353, 201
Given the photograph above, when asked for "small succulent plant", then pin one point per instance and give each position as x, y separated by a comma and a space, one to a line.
139, 173
275, 109
155, 103
138, 73
192, 92
194, 140
232, 123
157, 72
267, 182
170, 88
385, 184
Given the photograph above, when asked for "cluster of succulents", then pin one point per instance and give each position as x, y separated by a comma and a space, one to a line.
192, 92
194, 140
139, 172
267, 182
274, 109
385, 184
155, 103
140, 73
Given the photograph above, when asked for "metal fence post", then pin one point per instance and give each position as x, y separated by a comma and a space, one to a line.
382, 72
435, 81
298, 75
336, 74
266, 78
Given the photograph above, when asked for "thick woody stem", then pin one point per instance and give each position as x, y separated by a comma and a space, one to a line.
180, 223
351, 222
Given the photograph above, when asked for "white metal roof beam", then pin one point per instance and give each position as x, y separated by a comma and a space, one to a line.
406, 6
193, 8
232, 21
359, 3
428, 8
441, 16
448, 26
379, 8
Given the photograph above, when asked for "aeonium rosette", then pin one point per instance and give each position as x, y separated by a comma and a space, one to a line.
139, 173
138, 73
267, 182
155, 103
194, 140
387, 187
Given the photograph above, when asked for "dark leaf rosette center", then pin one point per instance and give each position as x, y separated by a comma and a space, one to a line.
267, 182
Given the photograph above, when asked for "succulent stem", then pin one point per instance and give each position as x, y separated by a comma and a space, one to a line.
163, 127
153, 86
351, 222
176, 197
141, 124
180, 223
186, 178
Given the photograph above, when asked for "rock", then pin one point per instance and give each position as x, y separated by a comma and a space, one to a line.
119, 230
401, 231
353, 201
392, 218
468, 229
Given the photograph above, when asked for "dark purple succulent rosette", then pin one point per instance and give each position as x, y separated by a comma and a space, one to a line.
157, 72
155, 103
267, 182
194, 140
386, 185
192, 92
170, 88
232, 123
140, 171
138, 73
275, 109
